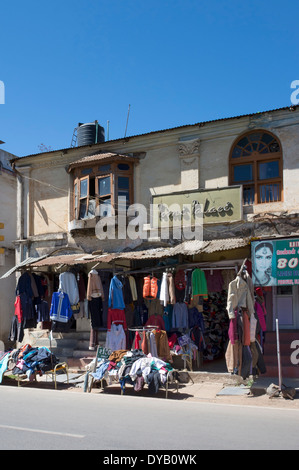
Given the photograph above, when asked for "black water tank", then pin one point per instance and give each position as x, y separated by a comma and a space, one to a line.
90, 133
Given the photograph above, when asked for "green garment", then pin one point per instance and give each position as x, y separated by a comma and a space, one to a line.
199, 283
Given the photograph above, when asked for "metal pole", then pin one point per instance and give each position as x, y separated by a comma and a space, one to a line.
278, 356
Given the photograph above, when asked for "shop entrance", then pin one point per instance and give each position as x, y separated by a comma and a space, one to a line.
286, 307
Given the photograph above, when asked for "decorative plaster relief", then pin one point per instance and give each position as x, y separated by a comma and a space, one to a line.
189, 157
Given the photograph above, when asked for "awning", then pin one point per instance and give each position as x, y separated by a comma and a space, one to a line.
187, 248
26, 262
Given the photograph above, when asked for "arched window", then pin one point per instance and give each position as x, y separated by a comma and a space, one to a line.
256, 163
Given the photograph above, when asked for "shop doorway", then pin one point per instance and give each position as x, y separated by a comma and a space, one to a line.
286, 307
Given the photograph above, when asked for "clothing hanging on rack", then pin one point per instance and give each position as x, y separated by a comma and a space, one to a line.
180, 315
240, 294
214, 280
116, 315
133, 288
155, 320
242, 355
94, 286
199, 283
167, 290
116, 299
69, 285
116, 338
150, 287
60, 310
162, 345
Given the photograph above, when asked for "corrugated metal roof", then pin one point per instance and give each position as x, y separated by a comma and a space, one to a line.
69, 260
27, 262
187, 248
202, 123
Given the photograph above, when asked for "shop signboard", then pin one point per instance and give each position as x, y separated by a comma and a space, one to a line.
275, 262
219, 205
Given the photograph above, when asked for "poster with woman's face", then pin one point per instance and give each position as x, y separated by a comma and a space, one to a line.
263, 263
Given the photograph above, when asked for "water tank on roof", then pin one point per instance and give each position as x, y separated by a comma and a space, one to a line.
90, 133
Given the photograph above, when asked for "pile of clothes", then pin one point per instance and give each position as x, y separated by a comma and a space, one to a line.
28, 361
133, 367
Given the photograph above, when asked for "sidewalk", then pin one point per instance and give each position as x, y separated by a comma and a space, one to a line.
199, 386
204, 387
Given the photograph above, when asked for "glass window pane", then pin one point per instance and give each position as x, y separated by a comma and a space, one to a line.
243, 142
105, 208
274, 147
82, 211
284, 290
105, 168
123, 182
248, 195
91, 208
243, 173
86, 171
104, 186
83, 188
267, 138
123, 166
256, 137
269, 193
268, 170
237, 152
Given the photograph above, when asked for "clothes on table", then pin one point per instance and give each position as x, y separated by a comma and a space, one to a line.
135, 368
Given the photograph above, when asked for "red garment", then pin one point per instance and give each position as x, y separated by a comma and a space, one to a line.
137, 340
180, 280
157, 321
172, 340
261, 312
18, 309
117, 316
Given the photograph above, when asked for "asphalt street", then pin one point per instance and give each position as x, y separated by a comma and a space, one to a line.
34, 419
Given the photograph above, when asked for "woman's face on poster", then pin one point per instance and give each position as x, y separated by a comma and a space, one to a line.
263, 259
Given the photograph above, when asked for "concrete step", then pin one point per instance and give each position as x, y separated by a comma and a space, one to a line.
71, 347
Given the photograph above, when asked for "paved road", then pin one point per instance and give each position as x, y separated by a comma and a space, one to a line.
48, 419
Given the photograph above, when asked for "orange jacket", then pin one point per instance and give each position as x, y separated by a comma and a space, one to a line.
150, 287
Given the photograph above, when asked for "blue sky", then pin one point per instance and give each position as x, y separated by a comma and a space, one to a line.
174, 62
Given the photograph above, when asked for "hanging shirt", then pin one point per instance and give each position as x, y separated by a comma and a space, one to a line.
180, 315
116, 338
68, 284
116, 299
60, 310
199, 283
94, 286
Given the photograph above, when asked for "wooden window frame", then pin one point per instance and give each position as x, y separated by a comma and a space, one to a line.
255, 158
97, 174
79, 194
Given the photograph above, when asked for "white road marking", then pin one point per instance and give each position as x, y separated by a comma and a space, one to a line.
17, 428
